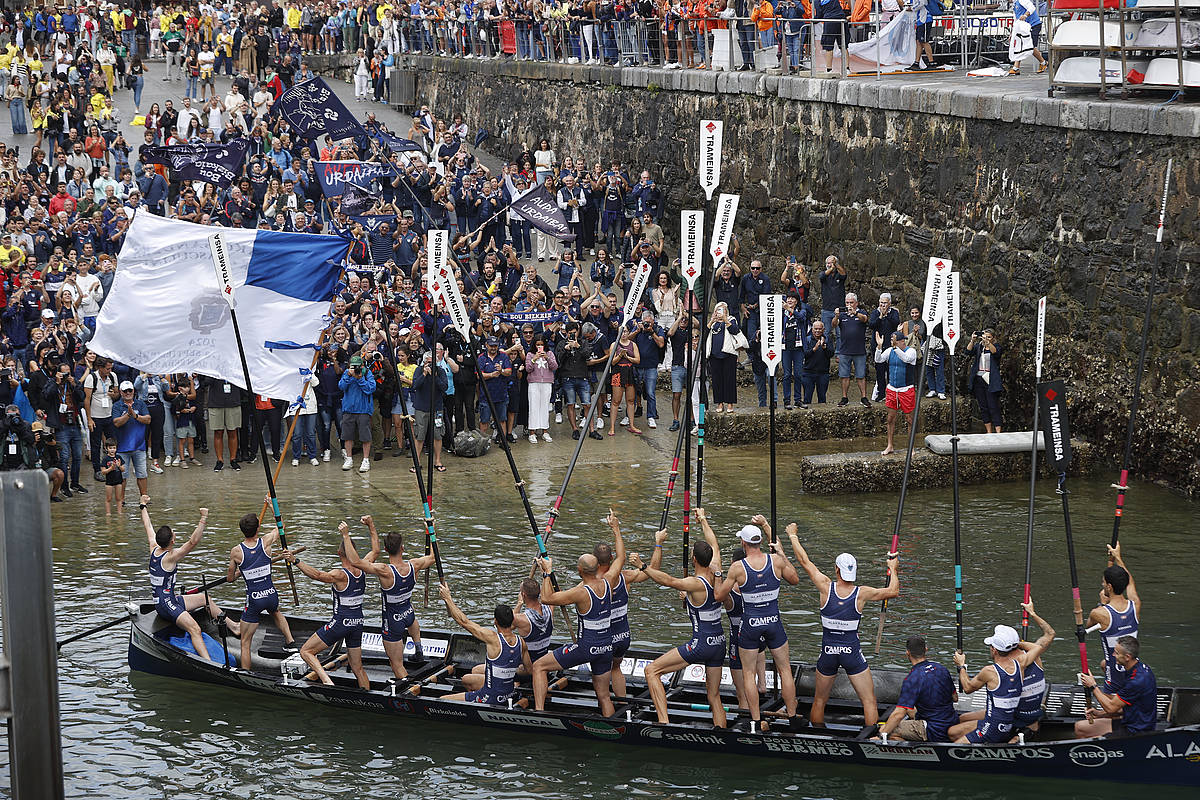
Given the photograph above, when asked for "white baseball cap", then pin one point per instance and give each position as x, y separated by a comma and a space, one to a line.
1003, 638
750, 534
848, 566
126, 386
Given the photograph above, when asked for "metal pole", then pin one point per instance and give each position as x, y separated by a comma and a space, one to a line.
958, 593
27, 600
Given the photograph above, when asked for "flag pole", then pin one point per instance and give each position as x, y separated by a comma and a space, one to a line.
224, 280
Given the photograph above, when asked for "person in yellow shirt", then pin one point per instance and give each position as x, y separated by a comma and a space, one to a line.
224, 50
292, 18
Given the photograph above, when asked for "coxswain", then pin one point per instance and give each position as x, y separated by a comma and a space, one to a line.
397, 579
592, 598
1033, 683
348, 585
618, 625
707, 645
1131, 709
1003, 681
842, 602
533, 620
164, 562
758, 576
506, 653
924, 709
253, 559
1117, 615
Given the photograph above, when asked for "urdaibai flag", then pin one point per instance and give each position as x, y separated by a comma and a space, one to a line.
195, 161
540, 208
165, 312
335, 176
396, 144
313, 110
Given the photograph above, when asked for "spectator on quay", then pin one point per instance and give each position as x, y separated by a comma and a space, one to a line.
851, 325
428, 407
100, 390
541, 363
224, 401
795, 324
915, 331
679, 334
664, 299
650, 339
833, 33
571, 354
112, 467
304, 436
1027, 11
900, 394
150, 390
725, 338
754, 284
883, 322
68, 403
623, 380
48, 455
358, 389
495, 368
983, 379
817, 355
795, 280
833, 291
131, 418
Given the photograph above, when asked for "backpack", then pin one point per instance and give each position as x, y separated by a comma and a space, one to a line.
471, 444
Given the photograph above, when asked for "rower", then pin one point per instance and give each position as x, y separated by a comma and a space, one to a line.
592, 598
1002, 679
924, 710
164, 563
758, 576
506, 653
534, 620
1117, 615
253, 559
618, 625
397, 579
1132, 708
707, 645
842, 602
735, 612
348, 585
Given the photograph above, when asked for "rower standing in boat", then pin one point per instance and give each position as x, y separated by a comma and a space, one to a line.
759, 576
735, 610
253, 558
397, 579
842, 602
592, 598
707, 645
164, 563
1117, 615
618, 625
506, 653
1003, 681
533, 621
348, 587
1131, 709
924, 710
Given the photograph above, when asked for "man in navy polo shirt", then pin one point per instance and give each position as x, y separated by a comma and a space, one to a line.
833, 291
925, 709
650, 338
495, 369
1133, 708
756, 283
408, 244
851, 326
131, 417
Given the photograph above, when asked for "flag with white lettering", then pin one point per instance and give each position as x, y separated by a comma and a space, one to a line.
710, 155
951, 326
770, 311
935, 293
313, 110
335, 176
396, 144
1052, 396
723, 227
539, 208
218, 164
691, 258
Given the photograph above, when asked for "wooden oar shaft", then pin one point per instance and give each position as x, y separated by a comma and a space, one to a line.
327, 666
416, 687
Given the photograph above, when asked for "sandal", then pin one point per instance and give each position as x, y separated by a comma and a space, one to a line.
612, 433
439, 467
635, 430
413, 470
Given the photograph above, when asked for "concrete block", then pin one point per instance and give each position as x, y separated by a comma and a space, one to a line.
962, 103
596, 73
910, 98
1099, 116
691, 80
1010, 108
707, 82
1129, 118
1029, 110
829, 90
635, 76
1183, 122
810, 89
726, 82
1158, 121
768, 85
1073, 114
1049, 112
848, 91
868, 94
987, 106
889, 97
748, 81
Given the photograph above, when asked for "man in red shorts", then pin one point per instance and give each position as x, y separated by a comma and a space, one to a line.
901, 393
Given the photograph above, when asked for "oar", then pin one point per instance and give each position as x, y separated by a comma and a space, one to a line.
430, 429
558, 684
111, 623
224, 274
327, 666
958, 584
416, 687
1080, 633
1122, 484
1033, 459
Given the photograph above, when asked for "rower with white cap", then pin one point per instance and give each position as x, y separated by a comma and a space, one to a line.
758, 577
1003, 679
842, 602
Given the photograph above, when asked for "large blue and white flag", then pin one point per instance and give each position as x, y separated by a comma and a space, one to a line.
335, 176
165, 312
312, 110
219, 164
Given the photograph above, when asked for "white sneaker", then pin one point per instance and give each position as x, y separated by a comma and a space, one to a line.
314, 462
325, 456
348, 463
295, 462
558, 419
599, 423
930, 393
546, 437
624, 421
533, 438
175, 461
941, 396
652, 422
156, 469
365, 466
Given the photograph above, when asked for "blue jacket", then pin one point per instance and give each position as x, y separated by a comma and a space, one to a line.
420, 390
357, 392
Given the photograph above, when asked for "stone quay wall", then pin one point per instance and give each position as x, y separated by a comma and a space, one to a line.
1028, 195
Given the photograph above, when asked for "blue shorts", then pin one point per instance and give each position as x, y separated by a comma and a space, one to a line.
678, 378
577, 391
135, 462
485, 411
848, 657
620, 644
735, 658
488, 697
924, 29
989, 733
859, 363
759, 631
1023, 719
347, 629
710, 652
170, 607
597, 656
257, 606
395, 626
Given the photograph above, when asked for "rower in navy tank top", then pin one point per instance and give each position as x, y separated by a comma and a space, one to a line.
252, 558
162, 583
760, 606
707, 645
1033, 692
347, 620
398, 611
1117, 616
606, 555
260, 589
840, 617
506, 653
535, 622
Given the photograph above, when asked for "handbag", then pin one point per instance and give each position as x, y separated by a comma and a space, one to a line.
740, 341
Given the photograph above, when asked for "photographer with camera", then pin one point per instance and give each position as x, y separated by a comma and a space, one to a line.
48, 456
358, 399
983, 380
20, 451
650, 339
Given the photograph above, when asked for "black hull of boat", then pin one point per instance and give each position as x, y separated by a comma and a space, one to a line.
1170, 756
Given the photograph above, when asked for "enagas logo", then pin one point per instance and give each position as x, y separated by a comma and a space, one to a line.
1092, 755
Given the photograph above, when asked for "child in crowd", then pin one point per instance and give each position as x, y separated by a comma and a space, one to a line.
113, 470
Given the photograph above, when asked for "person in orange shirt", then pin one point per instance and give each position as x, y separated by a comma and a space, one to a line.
700, 13
763, 16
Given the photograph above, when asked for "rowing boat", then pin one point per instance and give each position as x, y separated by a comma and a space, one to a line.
1169, 755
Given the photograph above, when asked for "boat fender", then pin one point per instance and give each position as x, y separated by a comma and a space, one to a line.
1021, 738
629, 715
884, 736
